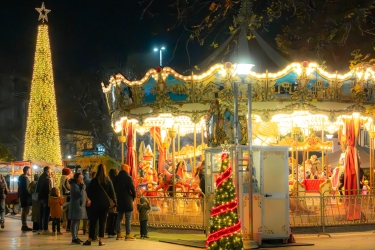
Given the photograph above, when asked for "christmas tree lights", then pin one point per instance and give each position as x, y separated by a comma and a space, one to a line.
225, 227
42, 140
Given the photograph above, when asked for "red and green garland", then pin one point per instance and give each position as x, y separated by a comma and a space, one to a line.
225, 227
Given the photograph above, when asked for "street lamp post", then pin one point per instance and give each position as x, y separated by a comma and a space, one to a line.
161, 54
242, 70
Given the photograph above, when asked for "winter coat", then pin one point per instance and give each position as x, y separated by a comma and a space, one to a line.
125, 192
143, 210
55, 204
23, 194
35, 204
95, 192
77, 204
3, 187
86, 180
64, 185
43, 187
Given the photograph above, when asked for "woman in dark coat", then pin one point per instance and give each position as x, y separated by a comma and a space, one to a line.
77, 205
99, 192
112, 215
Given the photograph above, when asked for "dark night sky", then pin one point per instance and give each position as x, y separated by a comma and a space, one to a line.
84, 35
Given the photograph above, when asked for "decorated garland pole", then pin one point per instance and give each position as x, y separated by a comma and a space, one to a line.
225, 226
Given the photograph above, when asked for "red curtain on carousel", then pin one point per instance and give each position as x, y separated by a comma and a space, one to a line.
352, 163
130, 156
156, 134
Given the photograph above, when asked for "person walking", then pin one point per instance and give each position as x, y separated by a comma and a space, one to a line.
112, 214
77, 205
25, 197
86, 181
34, 204
55, 201
43, 189
102, 196
143, 209
3, 192
125, 191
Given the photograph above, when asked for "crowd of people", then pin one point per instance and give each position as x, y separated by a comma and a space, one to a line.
98, 201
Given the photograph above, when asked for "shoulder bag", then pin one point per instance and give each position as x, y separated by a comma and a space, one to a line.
112, 205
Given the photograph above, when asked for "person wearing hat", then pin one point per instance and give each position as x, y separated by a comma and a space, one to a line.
143, 209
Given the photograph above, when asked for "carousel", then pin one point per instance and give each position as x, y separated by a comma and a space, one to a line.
166, 120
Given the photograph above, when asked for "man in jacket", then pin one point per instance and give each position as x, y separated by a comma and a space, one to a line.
3, 192
125, 192
24, 196
43, 188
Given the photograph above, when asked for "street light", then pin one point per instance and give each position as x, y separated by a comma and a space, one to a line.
161, 54
242, 70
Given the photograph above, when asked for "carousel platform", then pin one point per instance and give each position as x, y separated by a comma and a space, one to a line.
188, 243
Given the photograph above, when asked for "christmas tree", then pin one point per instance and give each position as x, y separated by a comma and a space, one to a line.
225, 227
42, 140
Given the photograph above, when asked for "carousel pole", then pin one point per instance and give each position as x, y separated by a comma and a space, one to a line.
178, 142
155, 151
372, 136
172, 134
322, 141
195, 145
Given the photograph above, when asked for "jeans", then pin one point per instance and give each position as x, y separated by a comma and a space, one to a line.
2, 209
97, 215
43, 215
56, 223
128, 217
24, 214
74, 229
143, 229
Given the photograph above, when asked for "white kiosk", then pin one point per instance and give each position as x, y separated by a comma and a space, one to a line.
269, 185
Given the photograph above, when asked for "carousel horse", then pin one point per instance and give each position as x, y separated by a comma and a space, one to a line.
184, 178
165, 180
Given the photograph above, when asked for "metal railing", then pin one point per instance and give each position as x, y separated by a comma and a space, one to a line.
330, 208
178, 210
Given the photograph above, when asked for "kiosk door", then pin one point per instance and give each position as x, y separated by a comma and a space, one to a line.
274, 194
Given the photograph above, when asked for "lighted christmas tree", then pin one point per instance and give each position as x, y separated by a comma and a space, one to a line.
225, 227
42, 140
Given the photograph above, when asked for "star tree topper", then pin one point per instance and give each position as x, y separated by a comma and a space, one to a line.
43, 13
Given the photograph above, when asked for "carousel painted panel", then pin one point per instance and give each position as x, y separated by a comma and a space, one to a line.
284, 86
148, 87
177, 90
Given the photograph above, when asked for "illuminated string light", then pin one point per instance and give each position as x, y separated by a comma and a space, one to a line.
42, 140
225, 227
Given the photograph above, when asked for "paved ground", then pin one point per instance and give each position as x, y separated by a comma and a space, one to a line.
12, 238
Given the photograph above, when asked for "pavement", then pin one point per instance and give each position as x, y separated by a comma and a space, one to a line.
12, 238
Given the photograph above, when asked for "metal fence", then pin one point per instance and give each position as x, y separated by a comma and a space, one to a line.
332, 209
178, 210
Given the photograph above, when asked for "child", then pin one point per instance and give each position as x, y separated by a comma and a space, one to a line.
143, 209
55, 201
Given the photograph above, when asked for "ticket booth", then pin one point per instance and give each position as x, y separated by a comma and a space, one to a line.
269, 186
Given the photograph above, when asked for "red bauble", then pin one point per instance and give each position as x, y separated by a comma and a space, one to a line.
228, 65
305, 63
158, 69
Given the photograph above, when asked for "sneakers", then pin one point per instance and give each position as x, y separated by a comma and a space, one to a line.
46, 232
80, 241
76, 241
129, 237
119, 236
26, 229
87, 243
111, 235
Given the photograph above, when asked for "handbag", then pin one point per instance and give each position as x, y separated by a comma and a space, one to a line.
112, 204
34, 196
